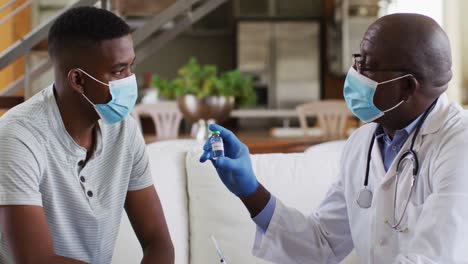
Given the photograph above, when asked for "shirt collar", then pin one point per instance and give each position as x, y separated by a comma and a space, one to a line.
379, 132
63, 134
442, 111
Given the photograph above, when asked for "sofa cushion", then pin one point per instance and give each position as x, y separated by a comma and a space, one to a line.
167, 160
299, 180
213, 210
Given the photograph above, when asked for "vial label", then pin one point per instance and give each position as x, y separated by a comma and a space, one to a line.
217, 146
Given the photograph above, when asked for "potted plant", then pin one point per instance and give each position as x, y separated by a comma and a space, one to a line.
165, 89
205, 96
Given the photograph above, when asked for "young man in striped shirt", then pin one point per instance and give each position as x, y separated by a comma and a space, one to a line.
71, 159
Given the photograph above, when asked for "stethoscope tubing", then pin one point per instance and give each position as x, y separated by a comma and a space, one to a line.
411, 150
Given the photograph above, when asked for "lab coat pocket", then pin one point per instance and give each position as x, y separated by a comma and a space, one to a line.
409, 223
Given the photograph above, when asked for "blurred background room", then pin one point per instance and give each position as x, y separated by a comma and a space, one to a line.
271, 70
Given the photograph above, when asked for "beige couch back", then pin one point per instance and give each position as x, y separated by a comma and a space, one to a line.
197, 205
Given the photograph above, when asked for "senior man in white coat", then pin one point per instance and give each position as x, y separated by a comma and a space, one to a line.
402, 192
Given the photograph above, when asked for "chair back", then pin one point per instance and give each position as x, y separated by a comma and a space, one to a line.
331, 115
166, 117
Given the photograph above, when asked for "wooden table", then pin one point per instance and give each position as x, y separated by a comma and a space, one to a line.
261, 142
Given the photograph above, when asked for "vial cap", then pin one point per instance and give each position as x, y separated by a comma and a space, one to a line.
215, 132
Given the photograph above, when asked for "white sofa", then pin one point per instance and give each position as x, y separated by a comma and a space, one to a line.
197, 205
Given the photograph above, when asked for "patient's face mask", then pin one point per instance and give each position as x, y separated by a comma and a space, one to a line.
124, 95
359, 94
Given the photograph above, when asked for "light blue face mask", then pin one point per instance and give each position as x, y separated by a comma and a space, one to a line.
359, 96
124, 95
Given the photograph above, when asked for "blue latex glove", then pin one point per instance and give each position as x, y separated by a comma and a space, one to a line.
235, 169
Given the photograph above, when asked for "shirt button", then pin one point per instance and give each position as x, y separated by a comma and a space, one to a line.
394, 148
82, 179
81, 163
90, 193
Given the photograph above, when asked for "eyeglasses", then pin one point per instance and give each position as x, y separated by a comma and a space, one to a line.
358, 63
357, 60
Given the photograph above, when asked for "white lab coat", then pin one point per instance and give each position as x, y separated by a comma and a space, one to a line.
437, 215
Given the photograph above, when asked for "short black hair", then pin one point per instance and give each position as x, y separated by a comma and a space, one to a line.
84, 27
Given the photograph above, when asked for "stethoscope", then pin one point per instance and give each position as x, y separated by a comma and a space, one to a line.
364, 199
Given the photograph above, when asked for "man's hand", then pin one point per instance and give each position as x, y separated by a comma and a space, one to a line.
235, 169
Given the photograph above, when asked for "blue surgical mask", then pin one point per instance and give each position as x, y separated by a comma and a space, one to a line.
359, 94
124, 94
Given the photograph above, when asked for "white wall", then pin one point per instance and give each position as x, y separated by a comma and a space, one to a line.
464, 51
456, 25
452, 18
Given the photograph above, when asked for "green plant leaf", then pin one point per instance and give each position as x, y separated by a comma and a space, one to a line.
204, 81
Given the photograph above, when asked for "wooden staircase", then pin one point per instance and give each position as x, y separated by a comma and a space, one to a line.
149, 35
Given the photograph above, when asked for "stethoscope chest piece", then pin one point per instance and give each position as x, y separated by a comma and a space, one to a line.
364, 199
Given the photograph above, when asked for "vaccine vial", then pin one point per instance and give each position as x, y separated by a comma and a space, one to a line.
217, 146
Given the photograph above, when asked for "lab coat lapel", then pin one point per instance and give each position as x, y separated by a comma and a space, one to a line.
436, 119
433, 123
384, 192
377, 172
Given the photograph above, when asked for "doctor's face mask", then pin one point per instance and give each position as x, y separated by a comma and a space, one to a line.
124, 94
359, 93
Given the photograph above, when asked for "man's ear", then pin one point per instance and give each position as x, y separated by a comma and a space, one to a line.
76, 80
411, 89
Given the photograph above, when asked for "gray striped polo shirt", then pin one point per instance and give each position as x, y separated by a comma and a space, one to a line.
40, 164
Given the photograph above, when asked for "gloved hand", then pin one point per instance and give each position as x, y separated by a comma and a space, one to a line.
235, 168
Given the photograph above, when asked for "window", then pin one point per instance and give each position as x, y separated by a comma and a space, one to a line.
431, 8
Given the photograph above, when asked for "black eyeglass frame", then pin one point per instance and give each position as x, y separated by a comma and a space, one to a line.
357, 66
